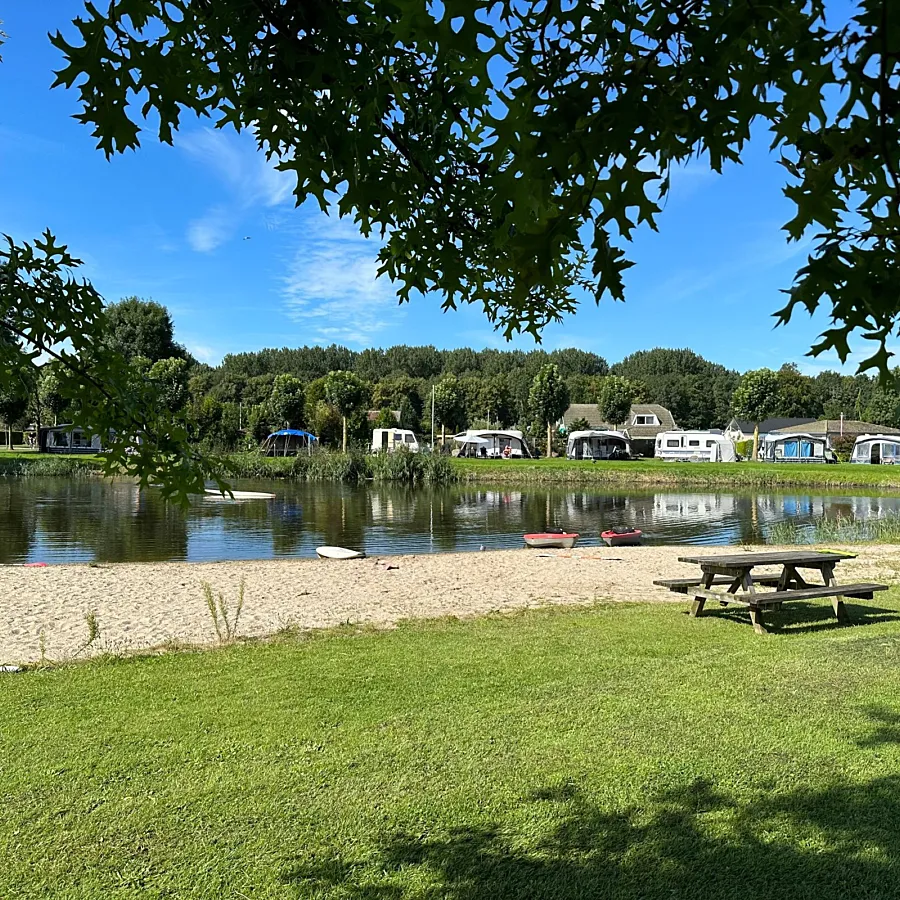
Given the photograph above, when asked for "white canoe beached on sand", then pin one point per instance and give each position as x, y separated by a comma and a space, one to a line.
339, 553
549, 539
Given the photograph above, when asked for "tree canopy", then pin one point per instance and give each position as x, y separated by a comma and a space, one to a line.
615, 399
136, 327
507, 151
548, 398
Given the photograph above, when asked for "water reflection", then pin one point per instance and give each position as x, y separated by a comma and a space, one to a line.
55, 520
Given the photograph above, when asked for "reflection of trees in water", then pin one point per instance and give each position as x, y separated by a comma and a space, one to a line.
111, 520
116, 522
17, 515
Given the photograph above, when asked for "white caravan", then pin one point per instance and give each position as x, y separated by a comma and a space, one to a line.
492, 444
598, 445
387, 440
876, 449
695, 446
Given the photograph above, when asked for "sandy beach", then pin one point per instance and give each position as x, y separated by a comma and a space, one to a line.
144, 605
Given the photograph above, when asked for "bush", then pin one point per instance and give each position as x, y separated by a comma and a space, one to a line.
843, 446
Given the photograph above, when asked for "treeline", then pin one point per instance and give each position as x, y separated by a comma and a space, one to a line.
330, 390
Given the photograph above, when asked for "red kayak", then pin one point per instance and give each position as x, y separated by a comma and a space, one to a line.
620, 537
559, 539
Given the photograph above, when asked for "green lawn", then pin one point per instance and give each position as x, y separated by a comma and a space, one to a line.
618, 752
656, 471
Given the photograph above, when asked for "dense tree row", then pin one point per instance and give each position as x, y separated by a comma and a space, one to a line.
330, 390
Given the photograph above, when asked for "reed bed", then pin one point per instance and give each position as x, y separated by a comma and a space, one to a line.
48, 466
839, 530
401, 467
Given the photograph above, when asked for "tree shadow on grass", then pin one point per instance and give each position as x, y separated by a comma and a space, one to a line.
802, 617
692, 842
887, 728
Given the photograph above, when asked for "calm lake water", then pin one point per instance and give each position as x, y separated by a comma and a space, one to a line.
56, 520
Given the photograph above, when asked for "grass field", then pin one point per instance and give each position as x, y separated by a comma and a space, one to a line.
623, 752
659, 472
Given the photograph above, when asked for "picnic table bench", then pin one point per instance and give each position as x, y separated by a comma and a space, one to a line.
736, 571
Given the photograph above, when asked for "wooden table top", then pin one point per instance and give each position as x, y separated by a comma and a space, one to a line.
767, 558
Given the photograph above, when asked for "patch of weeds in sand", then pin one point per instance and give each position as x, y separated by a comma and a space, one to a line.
224, 621
93, 635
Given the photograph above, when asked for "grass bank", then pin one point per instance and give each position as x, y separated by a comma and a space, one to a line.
659, 472
622, 751
407, 468
24, 464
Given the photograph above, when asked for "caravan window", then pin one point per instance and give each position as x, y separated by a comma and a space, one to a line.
410, 439
693, 443
889, 451
806, 449
673, 442
710, 443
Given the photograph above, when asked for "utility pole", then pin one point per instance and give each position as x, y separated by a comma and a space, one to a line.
432, 417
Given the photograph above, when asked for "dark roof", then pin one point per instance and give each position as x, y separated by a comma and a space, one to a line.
373, 414
834, 427
767, 425
591, 414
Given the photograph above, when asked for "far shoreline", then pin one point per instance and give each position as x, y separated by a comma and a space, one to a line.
526, 472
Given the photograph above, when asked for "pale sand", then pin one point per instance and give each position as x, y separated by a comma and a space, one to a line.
144, 605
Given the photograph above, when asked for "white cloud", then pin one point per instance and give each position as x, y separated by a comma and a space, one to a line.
203, 353
212, 230
251, 180
331, 285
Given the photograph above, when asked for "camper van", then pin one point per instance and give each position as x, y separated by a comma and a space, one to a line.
598, 445
695, 446
387, 440
876, 449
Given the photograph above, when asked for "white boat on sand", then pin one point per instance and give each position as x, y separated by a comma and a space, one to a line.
546, 539
339, 553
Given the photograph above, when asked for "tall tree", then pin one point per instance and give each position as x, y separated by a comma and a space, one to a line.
136, 327
346, 392
548, 399
448, 404
49, 392
171, 379
287, 401
755, 398
13, 404
615, 399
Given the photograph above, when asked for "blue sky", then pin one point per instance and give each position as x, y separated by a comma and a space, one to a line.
210, 230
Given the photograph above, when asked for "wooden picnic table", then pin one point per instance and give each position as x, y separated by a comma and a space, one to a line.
735, 572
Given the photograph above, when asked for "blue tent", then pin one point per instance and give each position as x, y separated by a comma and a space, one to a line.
294, 431
287, 442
